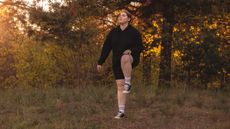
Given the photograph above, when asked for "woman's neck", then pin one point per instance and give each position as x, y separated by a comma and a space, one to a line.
123, 26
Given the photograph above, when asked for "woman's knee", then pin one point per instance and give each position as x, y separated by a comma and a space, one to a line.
125, 58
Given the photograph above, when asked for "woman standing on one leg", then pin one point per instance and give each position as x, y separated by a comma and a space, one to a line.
126, 44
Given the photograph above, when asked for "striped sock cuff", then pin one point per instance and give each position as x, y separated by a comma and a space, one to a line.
122, 108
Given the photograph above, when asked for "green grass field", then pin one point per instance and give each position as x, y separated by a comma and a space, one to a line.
94, 107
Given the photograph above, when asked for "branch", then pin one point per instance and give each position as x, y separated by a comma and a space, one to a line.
105, 20
17, 4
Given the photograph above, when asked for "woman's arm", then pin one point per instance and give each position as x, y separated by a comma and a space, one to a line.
105, 49
138, 45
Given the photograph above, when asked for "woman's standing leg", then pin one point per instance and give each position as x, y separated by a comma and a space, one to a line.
121, 97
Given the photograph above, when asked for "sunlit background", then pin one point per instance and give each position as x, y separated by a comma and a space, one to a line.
49, 51
187, 42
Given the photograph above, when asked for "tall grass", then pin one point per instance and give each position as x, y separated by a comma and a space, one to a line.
93, 107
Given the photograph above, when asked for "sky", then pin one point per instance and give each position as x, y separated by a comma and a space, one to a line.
43, 3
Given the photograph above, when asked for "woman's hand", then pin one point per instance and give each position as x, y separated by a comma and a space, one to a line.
127, 52
99, 67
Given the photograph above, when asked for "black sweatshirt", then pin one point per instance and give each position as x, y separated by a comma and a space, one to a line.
118, 41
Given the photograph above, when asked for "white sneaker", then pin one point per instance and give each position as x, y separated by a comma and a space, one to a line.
127, 88
119, 115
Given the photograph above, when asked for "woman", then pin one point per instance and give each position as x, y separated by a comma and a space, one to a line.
126, 44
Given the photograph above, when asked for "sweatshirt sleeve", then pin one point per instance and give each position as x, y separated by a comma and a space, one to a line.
138, 47
105, 49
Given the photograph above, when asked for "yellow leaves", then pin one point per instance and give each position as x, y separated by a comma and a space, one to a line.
117, 12
154, 23
3, 11
157, 36
148, 38
214, 84
177, 54
161, 19
149, 31
213, 26
197, 42
157, 50
219, 49
175, 29
135, 4
195, 30
183, 30
192, 28
192, 39
153, 51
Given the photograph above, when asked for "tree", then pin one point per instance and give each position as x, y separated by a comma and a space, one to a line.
171, 12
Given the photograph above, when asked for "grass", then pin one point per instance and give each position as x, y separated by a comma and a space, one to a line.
93, 107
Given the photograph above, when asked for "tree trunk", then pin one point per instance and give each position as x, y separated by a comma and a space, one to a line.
222, 80
189, 78
167, 30
147, 71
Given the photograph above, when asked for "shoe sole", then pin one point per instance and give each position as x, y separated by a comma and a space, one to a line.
119, 117
126, 92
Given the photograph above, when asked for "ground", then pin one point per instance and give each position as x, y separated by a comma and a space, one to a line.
93, 107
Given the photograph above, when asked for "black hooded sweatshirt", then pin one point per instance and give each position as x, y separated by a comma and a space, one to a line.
120, 40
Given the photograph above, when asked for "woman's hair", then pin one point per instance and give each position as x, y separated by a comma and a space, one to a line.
127, 13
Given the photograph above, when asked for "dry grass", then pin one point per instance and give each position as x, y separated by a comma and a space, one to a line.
93, 107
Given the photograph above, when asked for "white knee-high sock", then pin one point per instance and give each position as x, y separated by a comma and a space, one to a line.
128, 80
122, 108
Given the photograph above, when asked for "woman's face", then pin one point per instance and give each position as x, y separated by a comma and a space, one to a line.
123, 18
